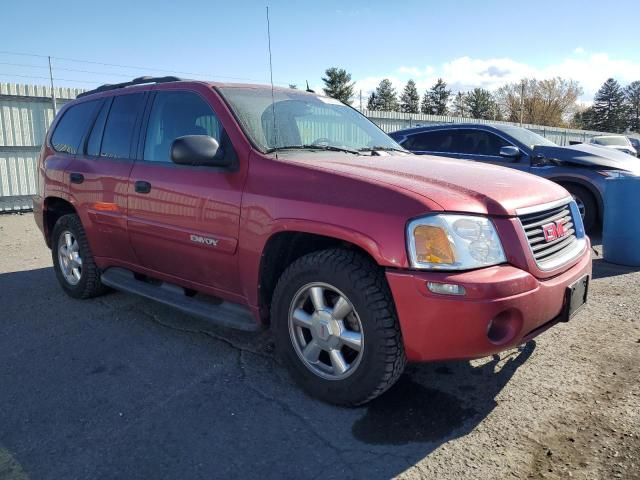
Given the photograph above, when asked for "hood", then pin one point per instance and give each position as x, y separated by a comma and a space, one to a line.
454, 185
591, 156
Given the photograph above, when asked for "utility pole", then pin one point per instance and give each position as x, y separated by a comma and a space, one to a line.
53, 93
521, 101
360, 100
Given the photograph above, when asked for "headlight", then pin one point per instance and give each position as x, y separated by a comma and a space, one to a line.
616, 173
453, 242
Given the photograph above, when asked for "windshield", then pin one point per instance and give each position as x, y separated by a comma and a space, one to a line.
527, 137
303, 120
611, 141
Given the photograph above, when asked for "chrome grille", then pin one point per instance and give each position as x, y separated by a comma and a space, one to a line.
549, 254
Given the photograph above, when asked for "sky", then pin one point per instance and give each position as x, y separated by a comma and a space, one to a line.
467, 43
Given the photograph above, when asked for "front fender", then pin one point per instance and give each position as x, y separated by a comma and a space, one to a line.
339, 232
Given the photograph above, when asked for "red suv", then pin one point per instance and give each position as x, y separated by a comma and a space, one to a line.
255, 207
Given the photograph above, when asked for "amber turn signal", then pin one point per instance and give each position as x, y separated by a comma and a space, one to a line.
105, 207
432, 245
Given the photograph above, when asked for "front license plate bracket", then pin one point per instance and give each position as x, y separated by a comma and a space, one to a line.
575, 298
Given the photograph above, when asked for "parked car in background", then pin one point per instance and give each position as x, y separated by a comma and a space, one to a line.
635, 142
616, 142
252, 207
581, 169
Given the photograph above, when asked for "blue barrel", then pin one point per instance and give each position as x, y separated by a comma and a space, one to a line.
621, 232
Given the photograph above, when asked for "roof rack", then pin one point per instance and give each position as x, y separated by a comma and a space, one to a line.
135, 81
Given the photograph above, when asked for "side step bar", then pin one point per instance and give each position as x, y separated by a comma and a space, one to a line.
224, 314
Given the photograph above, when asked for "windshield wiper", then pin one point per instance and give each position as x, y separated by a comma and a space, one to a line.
383, 149
329, 148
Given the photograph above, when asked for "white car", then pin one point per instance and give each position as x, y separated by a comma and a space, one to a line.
617, 142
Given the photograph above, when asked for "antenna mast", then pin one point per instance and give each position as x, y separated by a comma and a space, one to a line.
273, 99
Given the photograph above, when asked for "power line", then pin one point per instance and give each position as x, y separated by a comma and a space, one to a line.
131, 67
30, 65
10, 75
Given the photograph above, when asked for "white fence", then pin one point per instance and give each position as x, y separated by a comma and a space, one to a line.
26, 112
392, 121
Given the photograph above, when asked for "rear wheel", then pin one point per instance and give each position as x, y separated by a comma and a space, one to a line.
335, 327
72, 259
586, 204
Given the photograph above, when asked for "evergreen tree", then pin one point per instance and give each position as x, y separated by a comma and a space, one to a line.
372, 103
439, 97
425, 106
584, 119
480, 104
386, 96
459, 105
632, 94
436, 99
293, 86
410, 99
609, 109
338, 84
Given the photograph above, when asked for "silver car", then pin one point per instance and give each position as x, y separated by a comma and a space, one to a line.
617, 142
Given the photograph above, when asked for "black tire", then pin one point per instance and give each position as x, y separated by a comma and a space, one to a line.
581, 194
362, 282
89, 284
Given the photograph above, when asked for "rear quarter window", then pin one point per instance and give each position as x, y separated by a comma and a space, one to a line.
118, 130
72, 126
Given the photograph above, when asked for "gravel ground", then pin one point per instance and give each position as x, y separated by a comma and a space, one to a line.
120, 387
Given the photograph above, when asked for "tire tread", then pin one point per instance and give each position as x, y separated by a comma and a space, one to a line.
368, 278
90, 286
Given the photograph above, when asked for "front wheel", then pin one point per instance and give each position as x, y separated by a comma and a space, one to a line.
586, 205
336, 328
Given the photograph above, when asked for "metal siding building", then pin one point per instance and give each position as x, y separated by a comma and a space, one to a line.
26, 112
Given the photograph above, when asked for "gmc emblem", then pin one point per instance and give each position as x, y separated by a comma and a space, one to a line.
554, 230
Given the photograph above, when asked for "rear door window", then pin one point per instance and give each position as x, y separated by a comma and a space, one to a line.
119, 128
72, 126
436, 141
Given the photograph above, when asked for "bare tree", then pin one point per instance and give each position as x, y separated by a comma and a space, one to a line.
550, 102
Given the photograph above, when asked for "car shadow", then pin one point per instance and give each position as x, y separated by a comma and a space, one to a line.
603, 269
434, 403
111, 385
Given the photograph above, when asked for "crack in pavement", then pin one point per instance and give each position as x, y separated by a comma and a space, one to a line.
283, 405
242, 350
154, 317
305, 421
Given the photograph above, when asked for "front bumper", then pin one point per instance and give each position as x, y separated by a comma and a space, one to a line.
444, 327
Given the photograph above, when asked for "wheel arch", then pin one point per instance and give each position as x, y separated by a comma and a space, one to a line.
54, 208
284, 247
562, 181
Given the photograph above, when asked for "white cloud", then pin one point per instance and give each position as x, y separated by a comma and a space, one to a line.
465, 73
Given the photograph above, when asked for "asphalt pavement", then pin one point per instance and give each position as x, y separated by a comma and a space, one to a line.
121, 387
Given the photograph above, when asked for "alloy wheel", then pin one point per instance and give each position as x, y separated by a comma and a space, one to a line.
69, 257
326, 331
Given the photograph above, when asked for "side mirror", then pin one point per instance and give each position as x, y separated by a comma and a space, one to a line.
197, 150
510, 151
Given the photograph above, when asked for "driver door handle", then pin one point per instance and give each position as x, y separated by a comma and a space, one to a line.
142, 187
75, 177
